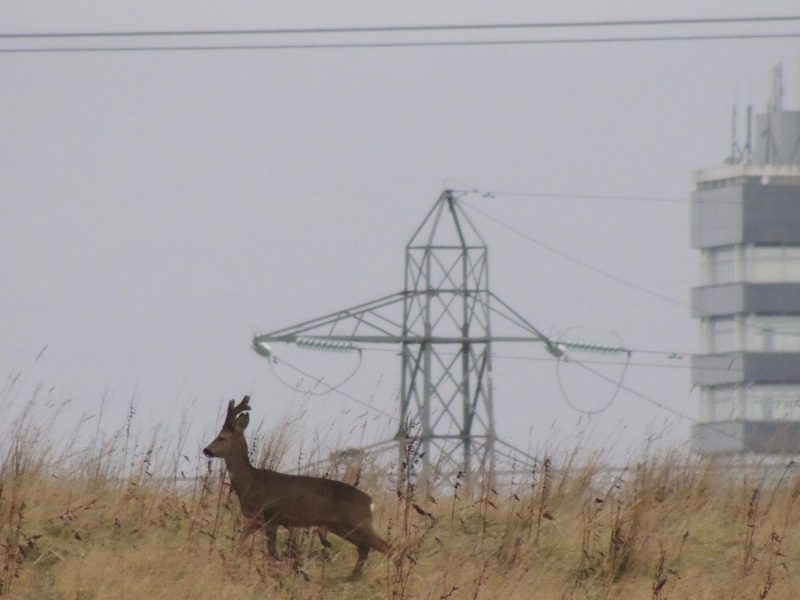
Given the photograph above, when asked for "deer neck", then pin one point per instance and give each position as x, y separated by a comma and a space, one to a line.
238, 464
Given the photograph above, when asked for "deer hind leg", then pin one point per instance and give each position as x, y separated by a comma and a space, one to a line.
376, 541
382, 546
363, 553
364, 539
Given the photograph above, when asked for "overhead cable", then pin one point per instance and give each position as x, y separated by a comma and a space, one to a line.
399, 44
656, 403
318, 381
578, 261
404, 28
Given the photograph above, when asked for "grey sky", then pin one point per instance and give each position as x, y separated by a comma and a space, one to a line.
159, 208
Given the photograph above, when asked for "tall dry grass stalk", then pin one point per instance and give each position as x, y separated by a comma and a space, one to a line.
136, 516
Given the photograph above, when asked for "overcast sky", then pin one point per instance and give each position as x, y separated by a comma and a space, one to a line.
158, 208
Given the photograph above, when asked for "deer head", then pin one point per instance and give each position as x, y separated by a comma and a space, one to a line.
232, 432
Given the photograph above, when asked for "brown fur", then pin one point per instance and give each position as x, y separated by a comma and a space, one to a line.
270, 499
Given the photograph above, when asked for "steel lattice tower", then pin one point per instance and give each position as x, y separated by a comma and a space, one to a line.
446, 352
444, 330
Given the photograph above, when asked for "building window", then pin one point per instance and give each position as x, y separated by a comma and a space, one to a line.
779, 333
772, 264
720, 265
720, 335
759, 264
774, 402
720, 403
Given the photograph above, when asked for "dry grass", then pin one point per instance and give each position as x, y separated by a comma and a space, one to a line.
98, 524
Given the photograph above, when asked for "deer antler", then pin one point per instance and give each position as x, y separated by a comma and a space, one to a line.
234, 409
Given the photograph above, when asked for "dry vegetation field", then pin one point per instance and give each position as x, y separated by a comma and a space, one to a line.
98, 523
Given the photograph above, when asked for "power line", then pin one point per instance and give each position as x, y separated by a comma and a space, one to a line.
319, 381
593, 411
670, 355
609, 197
582, 364
561, 195
409, 44
608, 274
578, 261
313, 391
619, 363
405, 28
656, 403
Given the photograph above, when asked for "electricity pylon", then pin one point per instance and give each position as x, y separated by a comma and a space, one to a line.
442, 322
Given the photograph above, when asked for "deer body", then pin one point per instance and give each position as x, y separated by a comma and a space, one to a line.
270, 499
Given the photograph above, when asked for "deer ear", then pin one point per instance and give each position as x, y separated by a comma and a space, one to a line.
242, 421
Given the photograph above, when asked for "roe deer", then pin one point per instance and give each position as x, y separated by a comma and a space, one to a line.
270, 499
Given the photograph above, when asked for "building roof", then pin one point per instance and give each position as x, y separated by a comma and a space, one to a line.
786, 174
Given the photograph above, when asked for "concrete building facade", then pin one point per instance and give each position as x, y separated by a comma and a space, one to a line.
745, 221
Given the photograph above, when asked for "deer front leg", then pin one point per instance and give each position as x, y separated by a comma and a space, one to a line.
322, 532
271, 530
250, 526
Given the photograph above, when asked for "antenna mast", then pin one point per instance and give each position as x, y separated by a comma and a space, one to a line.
735, 155
776, 103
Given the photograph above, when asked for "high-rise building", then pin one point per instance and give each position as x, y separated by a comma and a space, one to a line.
746, 224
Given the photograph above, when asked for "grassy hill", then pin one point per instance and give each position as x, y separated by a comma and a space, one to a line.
90, 525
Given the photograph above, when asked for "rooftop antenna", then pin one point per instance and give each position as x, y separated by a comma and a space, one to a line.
776, 103
735, 156
748, 145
